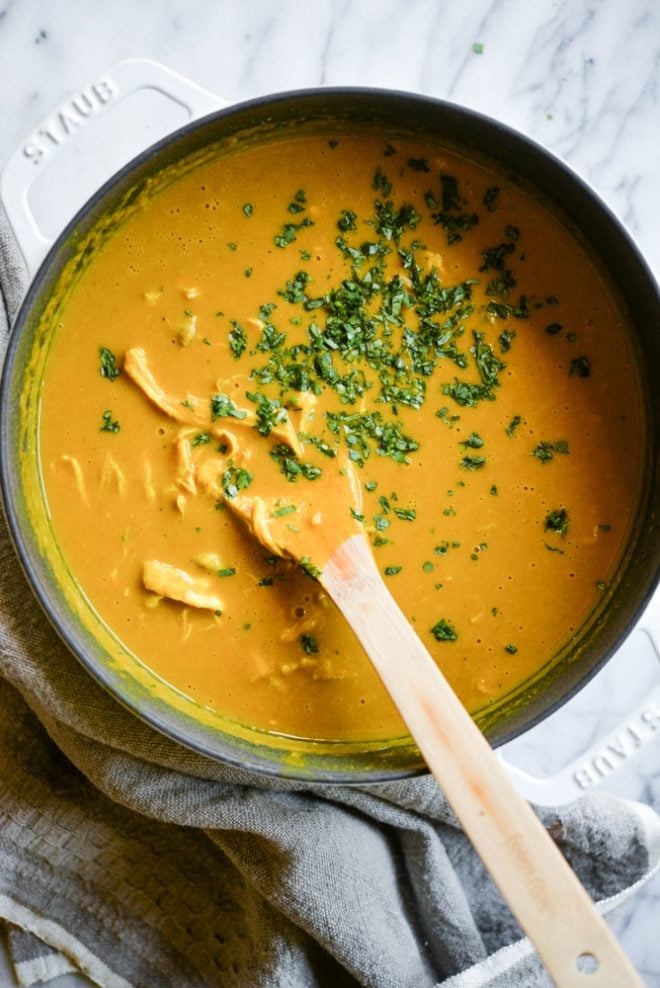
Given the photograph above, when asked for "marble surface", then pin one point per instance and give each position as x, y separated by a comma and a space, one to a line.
582, 77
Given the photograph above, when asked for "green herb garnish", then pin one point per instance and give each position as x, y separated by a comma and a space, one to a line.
286, 509
237, 339
557, 521
291, 466
443, 631
108, 368
235, 479
107, 424
490, 198
545, 451
223, 407
201, 439
474, 441
347, 220
380, 183
472, 462
309, 567
269, 412
309, 645
418, 164
513, 425
289, 230
580, 366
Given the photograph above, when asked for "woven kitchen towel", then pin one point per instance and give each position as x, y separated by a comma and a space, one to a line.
140, 863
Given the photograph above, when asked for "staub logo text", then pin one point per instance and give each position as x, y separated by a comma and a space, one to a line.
71, 116
619, 749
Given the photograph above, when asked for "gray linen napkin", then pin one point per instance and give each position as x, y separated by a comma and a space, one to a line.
143, 864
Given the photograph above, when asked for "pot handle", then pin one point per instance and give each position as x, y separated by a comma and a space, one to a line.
168, 101
610, 753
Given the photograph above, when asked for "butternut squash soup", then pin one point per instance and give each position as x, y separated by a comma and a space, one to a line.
283, 310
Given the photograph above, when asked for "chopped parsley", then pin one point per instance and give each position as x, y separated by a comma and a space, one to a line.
309, 567
237, 339
235, 479
286, 509
545, 451
511, 649
443, 547
223, 407
309, 645
474, 441
228, 571
269, 412
490, 198
557, 521
505, 338
513, 425
364, 434
201, 439
418, 164
443, 631
580, 366
295, 289
107, 424
108, 369
452, 215
288, 232
392, 570
291, 466
472, 462
381, 183
323, 447
347, 220
487, 363
468, 395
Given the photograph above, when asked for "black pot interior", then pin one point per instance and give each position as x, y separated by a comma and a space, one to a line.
585, 216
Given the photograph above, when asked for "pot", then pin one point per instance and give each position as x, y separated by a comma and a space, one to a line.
96, 647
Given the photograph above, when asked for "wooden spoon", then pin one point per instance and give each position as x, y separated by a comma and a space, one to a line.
542, 891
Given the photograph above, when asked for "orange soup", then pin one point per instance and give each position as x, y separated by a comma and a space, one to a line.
322, 299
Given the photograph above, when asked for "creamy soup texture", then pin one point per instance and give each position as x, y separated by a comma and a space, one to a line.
287, 308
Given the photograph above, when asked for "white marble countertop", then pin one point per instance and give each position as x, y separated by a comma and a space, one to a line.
582, 77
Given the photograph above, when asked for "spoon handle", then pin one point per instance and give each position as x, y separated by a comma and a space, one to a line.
542, 891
